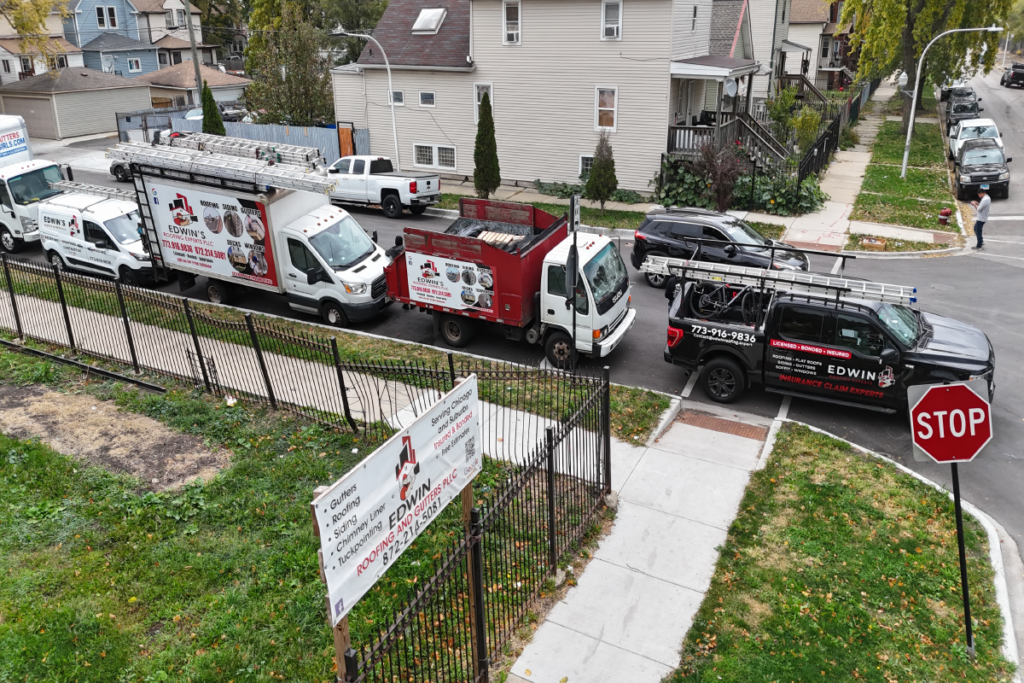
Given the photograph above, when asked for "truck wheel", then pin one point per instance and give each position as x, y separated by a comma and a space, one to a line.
456, 330
656, 280
218, 292
417, 210
128, 277
7, 241
57, 262
723, 380
559, 350
333, 315
121, 174
392, 206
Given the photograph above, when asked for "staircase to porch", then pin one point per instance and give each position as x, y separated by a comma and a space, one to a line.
755, 142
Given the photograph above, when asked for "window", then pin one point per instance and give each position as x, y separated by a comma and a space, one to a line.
783, 12
176, 58
134, 64
112, 17
358, 167
169, 19
693, 26
7, 66
426, 99
586, 163
824, 47
181, 18
604, 115
101, 16
836, 44
94, 234
398, 97
801, 324
5, 199
429, 21
556, 287
611, 25
434, 156
341, 165
381, 166
163, 58
713, 234
683, 231
301, 257
26, 65
512, 23
62, 62
858, 334
482, 88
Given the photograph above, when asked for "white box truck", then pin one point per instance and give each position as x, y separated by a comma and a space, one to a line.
248, 223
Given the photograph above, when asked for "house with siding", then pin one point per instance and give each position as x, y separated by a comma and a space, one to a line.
120, 55
559, 73
172, 50
17, 63
89, 19
178, 83
831, 64
770, 22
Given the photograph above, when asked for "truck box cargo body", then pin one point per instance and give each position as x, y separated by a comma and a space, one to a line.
14, 143
505, 263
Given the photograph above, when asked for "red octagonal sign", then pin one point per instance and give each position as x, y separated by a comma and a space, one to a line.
951, 423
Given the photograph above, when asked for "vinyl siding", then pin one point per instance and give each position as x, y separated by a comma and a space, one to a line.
89, 112
73, 59
54, 26
766, 21
94, 60
808, 35
349, 103
687, 43
88, 29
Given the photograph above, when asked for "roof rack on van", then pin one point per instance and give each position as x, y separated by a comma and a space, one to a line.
98, 190
783, 280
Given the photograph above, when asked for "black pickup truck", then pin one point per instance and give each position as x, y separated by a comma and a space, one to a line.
1013, 75
841, 350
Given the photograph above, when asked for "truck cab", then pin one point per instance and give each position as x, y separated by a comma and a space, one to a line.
22, 186
373, 180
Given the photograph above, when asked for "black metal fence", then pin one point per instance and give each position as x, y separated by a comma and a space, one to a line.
818, 155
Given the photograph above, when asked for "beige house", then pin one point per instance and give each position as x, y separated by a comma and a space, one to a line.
17, 64
559, 72
178, 84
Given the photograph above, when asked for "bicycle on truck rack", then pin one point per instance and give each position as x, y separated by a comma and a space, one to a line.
711, 302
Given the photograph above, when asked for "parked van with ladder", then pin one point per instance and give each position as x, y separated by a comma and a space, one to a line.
250, 223
832, 339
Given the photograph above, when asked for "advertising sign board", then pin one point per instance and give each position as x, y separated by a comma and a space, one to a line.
370, 516
457, 285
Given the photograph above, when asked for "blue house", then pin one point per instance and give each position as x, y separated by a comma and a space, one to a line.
113, 53
89, 19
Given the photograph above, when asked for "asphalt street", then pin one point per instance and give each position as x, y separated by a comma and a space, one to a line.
977, 288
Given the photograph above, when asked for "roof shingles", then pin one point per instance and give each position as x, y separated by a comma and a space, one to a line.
184, 76
809, 12
447, 49
73, 79
113, 42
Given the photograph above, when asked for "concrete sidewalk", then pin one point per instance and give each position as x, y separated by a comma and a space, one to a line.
89, 157
627, 617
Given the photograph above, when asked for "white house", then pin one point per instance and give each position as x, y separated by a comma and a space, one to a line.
559, 72
17, 64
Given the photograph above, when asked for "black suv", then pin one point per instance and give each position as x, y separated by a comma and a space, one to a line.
723, 239
960, 109
981, 162
1013, 75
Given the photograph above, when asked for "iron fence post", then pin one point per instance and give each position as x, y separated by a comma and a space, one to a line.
127, 326
14, 303
477, 586
259, 359
195, 341
64, 307
351, 665
341, 383
606, 427
549, 446
451, 368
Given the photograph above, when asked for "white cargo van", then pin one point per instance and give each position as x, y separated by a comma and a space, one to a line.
95, 235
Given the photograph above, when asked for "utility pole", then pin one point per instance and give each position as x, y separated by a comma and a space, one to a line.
195, 55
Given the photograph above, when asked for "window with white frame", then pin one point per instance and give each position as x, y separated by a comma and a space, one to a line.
482, 88
101, 16
693, 26
7, 66
434, 156
26, 65
611, 22
111, 17
429, 21
169, 19
398, 97
163, 58
586, 163
134, 64
181, 18
426, 99
513, 22
606, 109
824, 47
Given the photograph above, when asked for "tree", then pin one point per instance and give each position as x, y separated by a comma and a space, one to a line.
719, 168
892, 34
212, 121
602, 183
356, 16
780, 110
266, 18
291, 74
486, 172
28, 19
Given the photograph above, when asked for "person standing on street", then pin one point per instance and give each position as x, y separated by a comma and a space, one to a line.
981, 213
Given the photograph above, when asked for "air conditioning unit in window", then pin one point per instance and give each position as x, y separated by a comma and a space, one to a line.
512, 37
611, 31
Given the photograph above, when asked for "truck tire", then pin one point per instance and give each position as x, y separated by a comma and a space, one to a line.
7, 241
456, 330
121, 173
558, 350
723, 380
218, 292
392, 206
417, 210
129, 277
333, 315
656, 280
56, 261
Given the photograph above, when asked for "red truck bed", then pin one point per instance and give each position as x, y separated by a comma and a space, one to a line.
493, 276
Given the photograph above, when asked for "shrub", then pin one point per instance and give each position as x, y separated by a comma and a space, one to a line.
848, 137
602, 182
486, 172
213, 123
806, 125
780, 111
719, 168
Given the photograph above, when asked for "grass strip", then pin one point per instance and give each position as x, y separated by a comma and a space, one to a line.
901, 211
891, 244
919, 183
841, 568
927, 146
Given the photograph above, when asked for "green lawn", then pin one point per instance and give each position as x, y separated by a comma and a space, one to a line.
898, 211
841, 568
769, 230
919, 184
853, 243
928, 107
927, 146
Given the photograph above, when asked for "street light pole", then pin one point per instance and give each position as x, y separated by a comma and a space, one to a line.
917, 84
391, 90
1006, 49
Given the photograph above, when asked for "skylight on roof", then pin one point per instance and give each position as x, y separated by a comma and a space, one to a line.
429, 21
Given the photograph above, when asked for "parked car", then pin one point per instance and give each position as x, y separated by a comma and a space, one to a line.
672, 231
972, 129
959, 87
981, 162
373, 180
961, 110
1013, 75
194, 114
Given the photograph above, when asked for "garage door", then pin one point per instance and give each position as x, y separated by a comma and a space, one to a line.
37, 112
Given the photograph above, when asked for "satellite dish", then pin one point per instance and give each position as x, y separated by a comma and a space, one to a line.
730, 87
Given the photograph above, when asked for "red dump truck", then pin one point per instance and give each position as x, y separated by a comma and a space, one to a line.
505, 264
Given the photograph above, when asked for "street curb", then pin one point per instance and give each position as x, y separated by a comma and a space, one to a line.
1009, 648
899, 254
441, 213
674, 406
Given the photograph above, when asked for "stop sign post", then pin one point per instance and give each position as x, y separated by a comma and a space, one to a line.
952, 423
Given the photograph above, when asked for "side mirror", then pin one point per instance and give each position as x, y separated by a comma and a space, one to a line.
332, 169
312, 276
981, 110
730, 249
1009, 160
99, 244
70, 174
375, 237
888, 354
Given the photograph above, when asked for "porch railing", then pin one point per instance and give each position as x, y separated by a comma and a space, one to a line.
802, 84
687, 140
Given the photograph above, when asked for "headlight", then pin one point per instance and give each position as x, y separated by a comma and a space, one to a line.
1004, 176
352, 288
783, 266
139, 257
28, 224
965, 179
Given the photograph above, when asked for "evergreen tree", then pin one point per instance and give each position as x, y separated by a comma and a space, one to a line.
212, 121
486, 173
602, 183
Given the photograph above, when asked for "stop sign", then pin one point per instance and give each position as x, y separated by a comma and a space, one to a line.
950, 423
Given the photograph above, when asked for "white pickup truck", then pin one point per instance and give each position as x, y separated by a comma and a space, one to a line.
373, 180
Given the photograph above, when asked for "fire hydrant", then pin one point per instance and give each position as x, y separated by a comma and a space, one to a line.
944, 216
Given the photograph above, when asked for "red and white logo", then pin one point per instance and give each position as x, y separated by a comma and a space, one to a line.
407, 468
887, 378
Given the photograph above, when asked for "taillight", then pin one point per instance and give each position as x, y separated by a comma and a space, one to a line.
637, 235
412, 187
675, 335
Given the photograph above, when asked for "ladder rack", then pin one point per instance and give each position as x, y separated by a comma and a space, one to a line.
98, 190
294, 155
252, 171
782, 280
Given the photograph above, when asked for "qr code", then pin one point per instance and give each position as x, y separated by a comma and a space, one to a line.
470, 448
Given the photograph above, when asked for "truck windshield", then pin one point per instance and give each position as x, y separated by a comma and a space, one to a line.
343, 244
972, 132
124, 229
606, 274
33, 186
899, 320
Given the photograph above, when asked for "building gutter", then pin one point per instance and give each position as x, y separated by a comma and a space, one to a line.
404, 67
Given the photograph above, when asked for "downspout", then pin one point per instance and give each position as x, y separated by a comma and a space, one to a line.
471, 33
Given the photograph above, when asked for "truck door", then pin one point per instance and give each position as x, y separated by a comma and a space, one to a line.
864, 376
338, 172
357, 181
714, 250
554, 311
303, 296
100, 252
795, 356
680, 234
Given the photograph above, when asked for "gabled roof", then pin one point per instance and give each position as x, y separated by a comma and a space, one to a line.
73, 79
113, 42
809, 12
13, 46
184, 76
730, 28
170, 42
447, 49
154, 6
